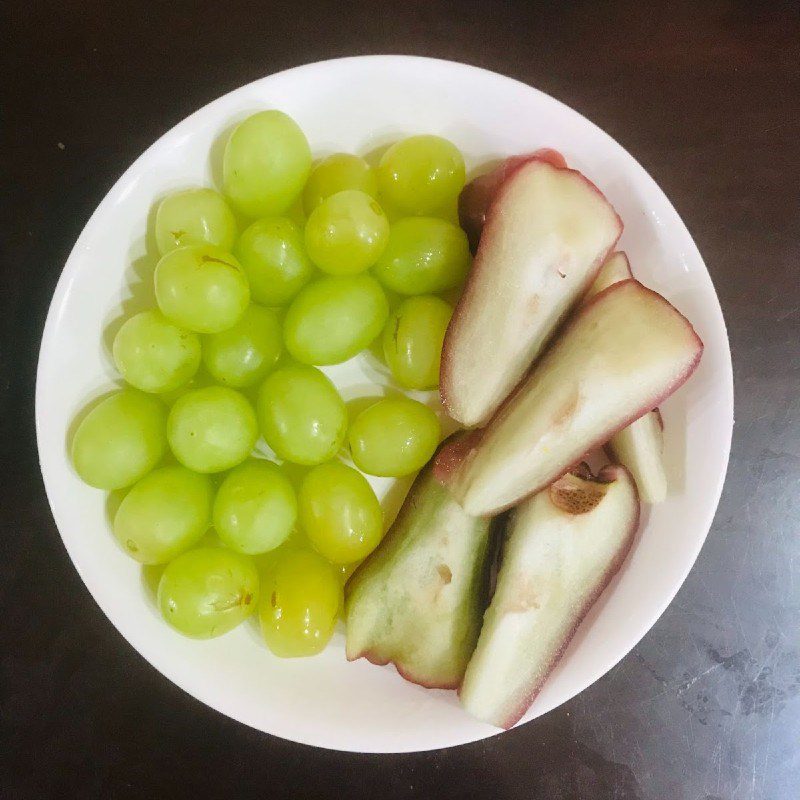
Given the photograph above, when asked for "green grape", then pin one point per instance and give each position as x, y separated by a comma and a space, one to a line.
334, 319
421, 174
165, 513
295, 540
295, 214
211, 429
245, 353
424, 256
155, 355
340, 513
194, 216
395, 436
202, 288
255, 508
346, 570
274, 259
412, 341
120, 440
300, 602
303, 418
267, 160
335, 174
208, 591
346, 233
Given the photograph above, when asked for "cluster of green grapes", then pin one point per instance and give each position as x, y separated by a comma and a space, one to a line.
234, 302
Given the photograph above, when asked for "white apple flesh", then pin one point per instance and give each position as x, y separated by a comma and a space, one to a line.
615, 268
619, 357
640, 446
547, 232
562, 548
417, 600
479, 194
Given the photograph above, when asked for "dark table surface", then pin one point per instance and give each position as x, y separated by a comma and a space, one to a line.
707, 96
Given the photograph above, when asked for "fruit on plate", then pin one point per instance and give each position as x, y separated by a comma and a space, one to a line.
421, 174
334, 319
120, 440
336, 245
617, 358
417, 600
546, 235
212, 429
163, 514
562, 548
155, 355
339, 513
208, 591
201, 288
267, 160
244, 353
336, 173
616, 268
255, 508
346, 233
424, 255
412, 341
273, 256
302, 416
300, 602
194, 216
393, 437
478, 194
640, 446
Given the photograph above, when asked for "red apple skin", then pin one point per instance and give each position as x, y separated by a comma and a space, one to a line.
478, 194
483, 264
551, 155
608, 474
404, 673
618, 268
454, 453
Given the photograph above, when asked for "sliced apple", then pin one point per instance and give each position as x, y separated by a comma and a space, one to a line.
615, 268
563, 547
619, 357
478, 194
546, 234
640, 446
417, 600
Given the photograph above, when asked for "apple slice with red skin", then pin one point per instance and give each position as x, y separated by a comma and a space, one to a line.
562, 548
640, 446
546, 235
619, 356
478, 194
615, 268
417, 600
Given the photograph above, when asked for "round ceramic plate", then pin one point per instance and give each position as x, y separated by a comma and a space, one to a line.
360, 105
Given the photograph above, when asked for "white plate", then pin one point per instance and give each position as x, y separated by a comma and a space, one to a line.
358, 104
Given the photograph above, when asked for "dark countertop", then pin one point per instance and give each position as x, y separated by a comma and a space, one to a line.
707, 97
